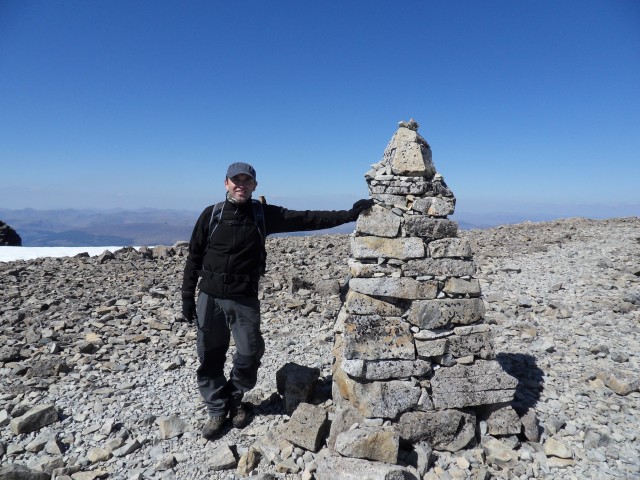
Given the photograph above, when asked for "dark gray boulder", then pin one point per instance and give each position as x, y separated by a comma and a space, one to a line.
8, 236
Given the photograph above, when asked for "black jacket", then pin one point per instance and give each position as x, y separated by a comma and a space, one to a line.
230, 265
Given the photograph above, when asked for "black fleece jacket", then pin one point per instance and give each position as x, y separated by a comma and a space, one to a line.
230, 265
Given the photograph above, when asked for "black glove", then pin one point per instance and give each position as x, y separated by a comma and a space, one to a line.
359, 207
188, 309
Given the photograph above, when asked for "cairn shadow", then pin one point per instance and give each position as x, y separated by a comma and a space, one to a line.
530, 378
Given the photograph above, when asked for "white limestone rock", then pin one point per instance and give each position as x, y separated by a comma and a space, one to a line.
438, 267
460, 286
386, 369
377, 399
378, 221
373, 337
435, 206
403, 287
409, 154
361, 304
376, 247
379, 444
483, 383
427, 227
449, 430
433, 314
343, 468
450, 248
307, 427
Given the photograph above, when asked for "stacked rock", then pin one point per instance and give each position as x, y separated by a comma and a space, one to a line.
414, 361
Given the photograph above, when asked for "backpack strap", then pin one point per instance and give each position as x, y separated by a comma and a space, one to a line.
258, 215
216, 215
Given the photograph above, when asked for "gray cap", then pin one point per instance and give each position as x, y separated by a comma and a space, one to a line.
240, 167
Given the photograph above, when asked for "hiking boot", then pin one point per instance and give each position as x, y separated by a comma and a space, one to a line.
239, 413
213, 426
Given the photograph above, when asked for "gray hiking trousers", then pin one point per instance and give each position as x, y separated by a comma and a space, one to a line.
217, 320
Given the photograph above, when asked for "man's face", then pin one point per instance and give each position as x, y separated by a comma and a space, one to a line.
240, 187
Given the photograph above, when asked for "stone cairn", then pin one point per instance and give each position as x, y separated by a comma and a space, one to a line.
414, 364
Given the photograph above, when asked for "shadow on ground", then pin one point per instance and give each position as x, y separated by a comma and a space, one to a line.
530, 379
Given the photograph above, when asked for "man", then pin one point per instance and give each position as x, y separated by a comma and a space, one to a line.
227, 252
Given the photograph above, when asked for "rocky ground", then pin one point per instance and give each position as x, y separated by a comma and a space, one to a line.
98, 377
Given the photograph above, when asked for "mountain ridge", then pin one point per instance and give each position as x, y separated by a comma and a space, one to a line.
150, 226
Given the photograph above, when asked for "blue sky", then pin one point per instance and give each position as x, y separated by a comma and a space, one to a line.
528, 106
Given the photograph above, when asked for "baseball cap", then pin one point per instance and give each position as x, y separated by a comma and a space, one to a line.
240, 167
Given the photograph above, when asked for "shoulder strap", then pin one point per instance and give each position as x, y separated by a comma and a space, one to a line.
216, 215
258, 215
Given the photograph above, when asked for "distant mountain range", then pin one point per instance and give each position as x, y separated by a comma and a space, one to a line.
119, 227
71, 228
